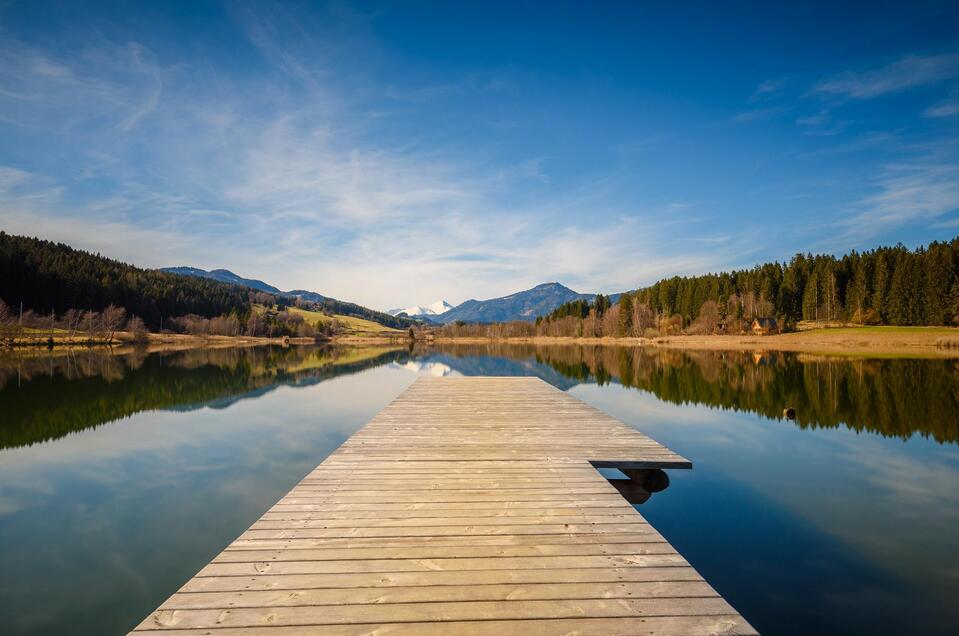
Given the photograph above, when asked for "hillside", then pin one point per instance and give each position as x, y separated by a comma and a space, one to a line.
524, 305
886, 285
330, 305
47, 276
352, 325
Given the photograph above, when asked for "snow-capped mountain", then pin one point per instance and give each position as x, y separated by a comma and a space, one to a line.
434, 309
437, 369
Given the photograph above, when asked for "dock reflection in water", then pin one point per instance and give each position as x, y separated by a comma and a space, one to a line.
637, 485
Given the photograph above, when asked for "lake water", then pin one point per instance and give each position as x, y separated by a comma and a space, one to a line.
122, 475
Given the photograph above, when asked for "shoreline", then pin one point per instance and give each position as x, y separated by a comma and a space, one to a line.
936, 342
124, 341
930, 342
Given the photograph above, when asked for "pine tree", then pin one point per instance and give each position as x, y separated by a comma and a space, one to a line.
625, 315
937, 275
880, 280
856, 293
810, 298
601, 304
896, 311
953, 305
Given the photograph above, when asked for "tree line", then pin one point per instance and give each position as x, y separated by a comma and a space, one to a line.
49, 285
52, 277
884, 286
94, 327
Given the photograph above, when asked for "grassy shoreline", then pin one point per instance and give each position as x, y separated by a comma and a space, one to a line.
938, 342
154, 342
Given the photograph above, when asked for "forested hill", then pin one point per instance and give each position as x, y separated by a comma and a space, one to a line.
887, 285
325, 303
47, 276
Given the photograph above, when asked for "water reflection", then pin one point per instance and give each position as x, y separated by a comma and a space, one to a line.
65, 392
843, 520
638, 484
892, 397
98, 526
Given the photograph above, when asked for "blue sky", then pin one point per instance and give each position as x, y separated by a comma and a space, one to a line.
397, 153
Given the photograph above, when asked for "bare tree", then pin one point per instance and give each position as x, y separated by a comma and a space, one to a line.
253, 324
643, 318
90, 322
112, 319
708, 319
71, 321
139, 330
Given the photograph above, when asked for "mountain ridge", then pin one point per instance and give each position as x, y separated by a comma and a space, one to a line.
522, 305
332, 305
525, 304
224, 276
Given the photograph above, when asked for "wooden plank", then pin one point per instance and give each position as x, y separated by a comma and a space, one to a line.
436, 565
287, 553
440, 594
731, 624
467, 506
295, 582
445, 531
437, 612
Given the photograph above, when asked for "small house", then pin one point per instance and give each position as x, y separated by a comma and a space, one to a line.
765, 326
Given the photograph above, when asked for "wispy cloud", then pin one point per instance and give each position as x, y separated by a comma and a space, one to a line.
922, 191
909, 72
152, 97
869, 141
282, 183
312, 164
821, 123
946, 108
768, 88
10, 178
760, 114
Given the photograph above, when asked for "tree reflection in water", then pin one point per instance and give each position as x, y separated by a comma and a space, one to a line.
892, 397
44, 396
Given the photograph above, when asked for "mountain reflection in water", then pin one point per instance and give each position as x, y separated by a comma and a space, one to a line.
58, 393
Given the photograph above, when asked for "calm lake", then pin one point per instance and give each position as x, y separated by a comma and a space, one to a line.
122, 475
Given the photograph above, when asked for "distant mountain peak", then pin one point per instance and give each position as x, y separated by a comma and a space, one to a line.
522, 305
433, 309
225, 276
330, 304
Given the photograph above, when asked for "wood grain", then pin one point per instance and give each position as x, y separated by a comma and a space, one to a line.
466, 506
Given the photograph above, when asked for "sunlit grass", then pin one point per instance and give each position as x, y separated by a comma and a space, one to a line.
352, 325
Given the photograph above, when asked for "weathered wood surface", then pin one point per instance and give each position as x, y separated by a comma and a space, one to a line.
467, 506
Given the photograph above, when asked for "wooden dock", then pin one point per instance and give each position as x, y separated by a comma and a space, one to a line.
467, 506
